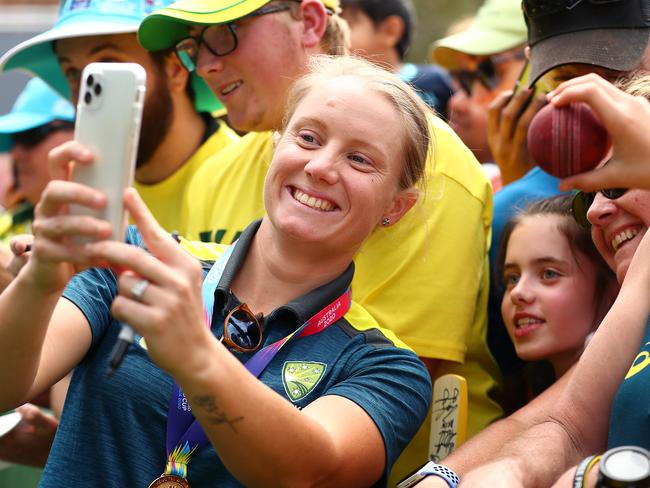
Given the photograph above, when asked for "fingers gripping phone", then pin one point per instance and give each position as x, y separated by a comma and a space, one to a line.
109, 113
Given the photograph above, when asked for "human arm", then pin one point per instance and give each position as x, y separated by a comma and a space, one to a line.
338, 442
626, 119
508, 119
578, 423
42, 337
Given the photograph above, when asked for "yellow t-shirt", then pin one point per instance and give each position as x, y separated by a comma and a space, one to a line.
426, 278
165, 198
15, 222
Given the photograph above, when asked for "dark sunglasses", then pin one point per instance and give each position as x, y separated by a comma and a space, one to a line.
485, 72
583, 200
33, 137
242, 329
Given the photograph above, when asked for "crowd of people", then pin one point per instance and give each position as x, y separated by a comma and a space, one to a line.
321, 229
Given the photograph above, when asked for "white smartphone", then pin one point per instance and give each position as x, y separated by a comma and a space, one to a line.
109, 113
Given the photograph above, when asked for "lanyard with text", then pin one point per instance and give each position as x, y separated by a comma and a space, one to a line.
184, 433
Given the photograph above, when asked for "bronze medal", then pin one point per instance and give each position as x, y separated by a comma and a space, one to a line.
169, 481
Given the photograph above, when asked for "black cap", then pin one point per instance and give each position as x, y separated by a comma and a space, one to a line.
611, 34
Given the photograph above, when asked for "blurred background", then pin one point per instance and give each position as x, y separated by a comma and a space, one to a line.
21, 19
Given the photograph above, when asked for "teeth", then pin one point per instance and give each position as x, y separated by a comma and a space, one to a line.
230, 87
313, 202
527, 322
626, 235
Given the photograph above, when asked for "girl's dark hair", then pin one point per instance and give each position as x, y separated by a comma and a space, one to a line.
579, 241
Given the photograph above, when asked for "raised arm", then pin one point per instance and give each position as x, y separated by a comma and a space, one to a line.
578, 423
337, 442
42, 336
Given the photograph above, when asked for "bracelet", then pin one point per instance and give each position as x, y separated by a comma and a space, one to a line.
579, 475
433, 469
583, 470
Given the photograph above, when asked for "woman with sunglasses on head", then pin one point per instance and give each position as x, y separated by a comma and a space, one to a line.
290, 383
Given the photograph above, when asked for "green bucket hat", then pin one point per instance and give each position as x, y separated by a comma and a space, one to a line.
79, 18
165, 27
499, 25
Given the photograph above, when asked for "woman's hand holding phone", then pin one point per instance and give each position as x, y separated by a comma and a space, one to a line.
56, 253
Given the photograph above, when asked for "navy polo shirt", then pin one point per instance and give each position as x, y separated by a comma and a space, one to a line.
112, 430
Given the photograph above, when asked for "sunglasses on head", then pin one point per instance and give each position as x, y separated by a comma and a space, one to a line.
33, 137
242, 329
583, 200
485, 72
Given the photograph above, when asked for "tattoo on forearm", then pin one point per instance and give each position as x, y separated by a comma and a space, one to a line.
216, 416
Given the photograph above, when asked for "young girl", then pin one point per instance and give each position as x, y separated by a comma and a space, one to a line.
557, 286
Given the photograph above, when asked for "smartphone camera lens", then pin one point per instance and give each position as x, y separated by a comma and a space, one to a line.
97, 89
88, 98
90, 80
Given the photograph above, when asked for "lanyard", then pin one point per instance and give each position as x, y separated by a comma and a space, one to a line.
184, 433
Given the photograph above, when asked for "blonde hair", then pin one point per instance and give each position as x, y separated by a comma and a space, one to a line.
416, 141
637, 85
336, 39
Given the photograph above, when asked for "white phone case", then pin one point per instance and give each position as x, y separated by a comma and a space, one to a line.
109, 111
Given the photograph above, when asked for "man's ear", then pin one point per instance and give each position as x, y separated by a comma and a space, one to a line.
391, 30
314, 18
177, 76
402, 203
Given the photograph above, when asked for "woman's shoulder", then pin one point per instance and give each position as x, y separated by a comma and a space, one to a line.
360, 321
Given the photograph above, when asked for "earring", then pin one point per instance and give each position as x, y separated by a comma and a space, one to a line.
385, 221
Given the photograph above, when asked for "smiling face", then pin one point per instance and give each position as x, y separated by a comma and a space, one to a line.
617, 227
336, 169
549, 302
253, 80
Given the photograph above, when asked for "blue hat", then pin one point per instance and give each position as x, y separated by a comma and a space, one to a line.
78, 18
36, 105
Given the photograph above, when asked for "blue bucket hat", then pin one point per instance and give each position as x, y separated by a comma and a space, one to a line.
79, 18
36, 105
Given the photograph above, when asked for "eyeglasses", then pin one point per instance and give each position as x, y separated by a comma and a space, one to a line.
242, 329
485, 72
219, 39
583, 200
33, 137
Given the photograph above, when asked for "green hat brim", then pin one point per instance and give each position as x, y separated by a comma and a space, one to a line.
474, 42
163, 28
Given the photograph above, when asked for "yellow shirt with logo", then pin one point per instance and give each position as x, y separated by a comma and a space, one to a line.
165, 198
426, 278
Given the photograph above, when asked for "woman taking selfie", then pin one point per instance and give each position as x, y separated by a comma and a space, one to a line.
290, 383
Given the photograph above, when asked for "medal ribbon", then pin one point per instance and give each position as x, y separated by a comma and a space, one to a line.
184, 434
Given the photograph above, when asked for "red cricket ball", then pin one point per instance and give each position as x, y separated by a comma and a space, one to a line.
567, 140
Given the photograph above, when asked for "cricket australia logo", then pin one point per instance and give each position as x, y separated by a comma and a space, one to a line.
299, 378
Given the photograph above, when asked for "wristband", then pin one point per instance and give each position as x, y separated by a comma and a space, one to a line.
625, 466
583, 470
433, 469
